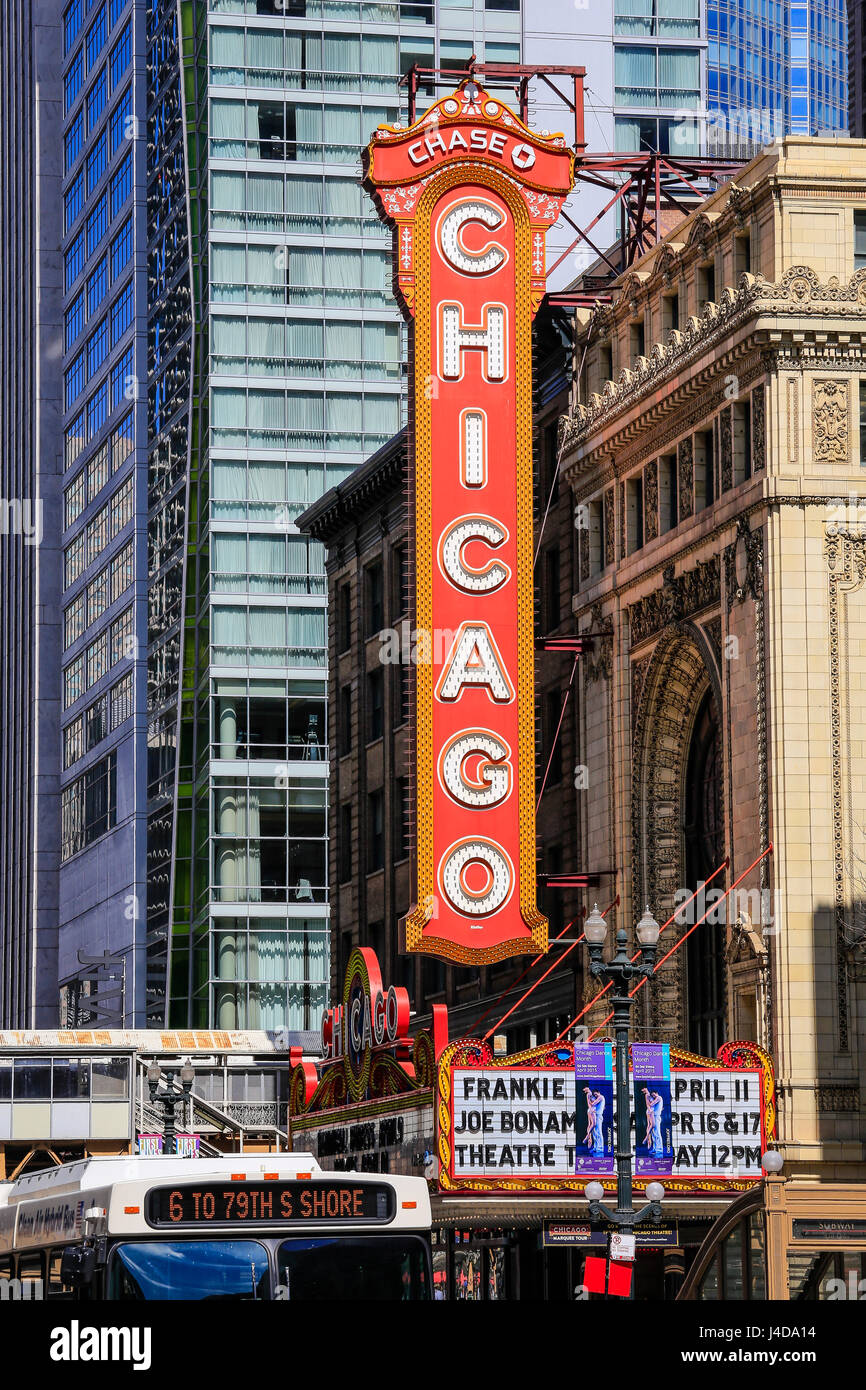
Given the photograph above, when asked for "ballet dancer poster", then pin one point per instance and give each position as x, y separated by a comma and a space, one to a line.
593, 1073
651, 1080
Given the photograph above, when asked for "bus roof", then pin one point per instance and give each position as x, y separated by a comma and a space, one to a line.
52, 1206
88, 1174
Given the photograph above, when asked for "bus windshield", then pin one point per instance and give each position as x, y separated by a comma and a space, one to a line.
194, 1269
383, 1267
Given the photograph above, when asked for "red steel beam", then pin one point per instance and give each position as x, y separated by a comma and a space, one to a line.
586, 1008
677, 944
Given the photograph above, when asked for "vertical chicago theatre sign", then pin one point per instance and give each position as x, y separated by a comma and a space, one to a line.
470, 193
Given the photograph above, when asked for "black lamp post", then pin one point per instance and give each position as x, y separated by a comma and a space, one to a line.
621, 973
170, 1098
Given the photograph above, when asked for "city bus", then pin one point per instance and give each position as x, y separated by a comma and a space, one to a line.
250, 1227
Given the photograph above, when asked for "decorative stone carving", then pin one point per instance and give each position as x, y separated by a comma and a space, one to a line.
651, 501
638, 676
599, 665
836, 1098
622, 546
744, 565
830, 420
799, 292
686, 478
609, 528
713, 630
679, 597
793, 420
758, 429
726, 449
693, 416
737, 201
583, 540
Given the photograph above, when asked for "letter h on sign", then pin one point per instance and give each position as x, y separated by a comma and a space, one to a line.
470, 193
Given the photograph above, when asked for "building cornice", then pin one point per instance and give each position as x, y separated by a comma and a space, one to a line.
798, 295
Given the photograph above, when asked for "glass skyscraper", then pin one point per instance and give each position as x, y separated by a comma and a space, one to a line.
298, 376
103, 580
659, 74
749, 70
775, 68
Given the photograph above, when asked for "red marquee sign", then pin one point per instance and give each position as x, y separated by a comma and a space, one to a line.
470, 193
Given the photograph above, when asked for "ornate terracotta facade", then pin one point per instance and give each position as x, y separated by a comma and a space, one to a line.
722, 544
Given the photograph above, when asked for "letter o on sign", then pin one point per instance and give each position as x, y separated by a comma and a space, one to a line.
392, 1014
477, 877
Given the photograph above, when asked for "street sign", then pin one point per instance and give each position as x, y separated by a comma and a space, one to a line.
622, 1245
649, 1235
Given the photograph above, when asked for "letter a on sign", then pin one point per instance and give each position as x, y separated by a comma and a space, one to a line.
470, 192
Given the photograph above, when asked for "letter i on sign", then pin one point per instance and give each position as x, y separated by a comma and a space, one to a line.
470, 193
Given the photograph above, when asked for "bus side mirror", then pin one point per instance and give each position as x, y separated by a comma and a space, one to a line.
77, 1266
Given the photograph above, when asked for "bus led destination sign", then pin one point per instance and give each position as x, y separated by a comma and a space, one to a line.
270, 1204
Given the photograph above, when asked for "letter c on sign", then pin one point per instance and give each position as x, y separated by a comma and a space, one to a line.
450, 238
469, 578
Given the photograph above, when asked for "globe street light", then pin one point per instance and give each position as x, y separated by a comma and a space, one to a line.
169, 1098
620, 973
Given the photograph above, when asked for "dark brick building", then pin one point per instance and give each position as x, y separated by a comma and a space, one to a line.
363, 524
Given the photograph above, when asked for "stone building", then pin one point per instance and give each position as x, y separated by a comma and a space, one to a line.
714, 451
363, 524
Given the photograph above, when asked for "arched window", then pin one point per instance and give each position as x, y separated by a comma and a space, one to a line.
704, 846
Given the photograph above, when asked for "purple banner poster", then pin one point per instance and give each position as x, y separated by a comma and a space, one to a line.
593, 1075
651, 1082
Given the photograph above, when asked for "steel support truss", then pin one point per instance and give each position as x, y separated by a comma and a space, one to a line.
643, 185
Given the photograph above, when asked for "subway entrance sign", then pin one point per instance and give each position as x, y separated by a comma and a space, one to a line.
470, 193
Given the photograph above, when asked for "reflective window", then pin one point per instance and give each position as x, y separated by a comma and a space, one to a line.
33, 1078
709, 1289
71, 1078
387, 1268
757, 1259
110, 1078
190, 1269
732, 1254
72, 23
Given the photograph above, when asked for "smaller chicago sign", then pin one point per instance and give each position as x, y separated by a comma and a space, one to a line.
368, 1106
